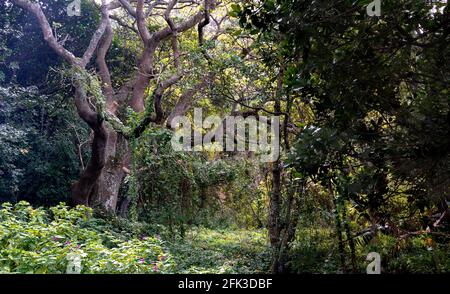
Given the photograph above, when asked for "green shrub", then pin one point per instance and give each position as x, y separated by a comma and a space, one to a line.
418, 254
315, 250
41, 241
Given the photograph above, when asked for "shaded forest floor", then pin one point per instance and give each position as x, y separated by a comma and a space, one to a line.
221, 251
314, 251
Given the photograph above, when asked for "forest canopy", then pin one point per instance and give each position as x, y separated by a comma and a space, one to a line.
355, 105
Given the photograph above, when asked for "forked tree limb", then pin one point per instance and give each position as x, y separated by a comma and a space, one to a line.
47, 31
145, 67
95, 39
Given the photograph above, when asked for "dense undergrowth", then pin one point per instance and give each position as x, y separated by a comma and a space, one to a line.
38, 240
315, 250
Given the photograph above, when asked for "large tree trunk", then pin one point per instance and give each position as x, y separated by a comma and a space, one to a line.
117, 158
81, 189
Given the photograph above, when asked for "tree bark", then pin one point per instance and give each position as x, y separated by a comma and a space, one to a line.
274, 204
82, 189
117, 160
274, 215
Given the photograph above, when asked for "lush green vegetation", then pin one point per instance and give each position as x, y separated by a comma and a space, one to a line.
88, 168
37, 240
42, 241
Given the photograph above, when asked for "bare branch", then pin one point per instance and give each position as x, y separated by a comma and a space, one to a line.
36, 9
167, 15
142, 26
97, 35
125, 4
203, 23
182, 27
145, 72
103, 69
51, 40
122, 23
176, 51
